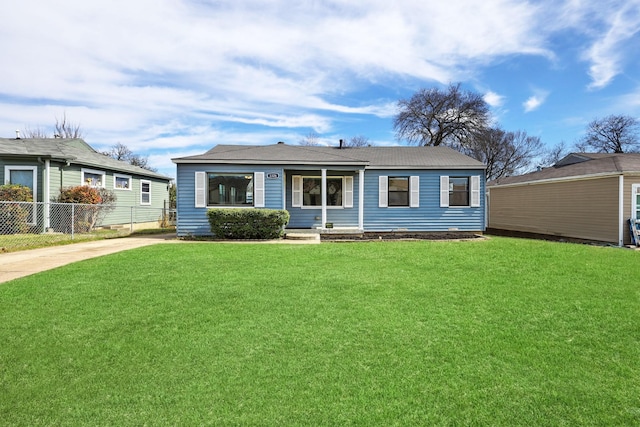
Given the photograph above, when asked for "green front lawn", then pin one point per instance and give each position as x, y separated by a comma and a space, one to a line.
497, 332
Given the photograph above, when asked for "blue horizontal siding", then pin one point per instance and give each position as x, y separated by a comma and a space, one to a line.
429, 216
192, 220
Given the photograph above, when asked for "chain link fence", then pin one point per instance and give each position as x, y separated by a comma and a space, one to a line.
30, 224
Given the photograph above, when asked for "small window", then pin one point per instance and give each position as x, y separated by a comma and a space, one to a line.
145, 192
121, 182
399, 191
458, 191
93, 178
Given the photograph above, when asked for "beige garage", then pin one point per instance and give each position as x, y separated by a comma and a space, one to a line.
583, 196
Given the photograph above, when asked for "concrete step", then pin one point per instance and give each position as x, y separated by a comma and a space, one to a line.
302, 236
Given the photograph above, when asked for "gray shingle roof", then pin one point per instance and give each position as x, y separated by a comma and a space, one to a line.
373, 157
75, 151
579, 165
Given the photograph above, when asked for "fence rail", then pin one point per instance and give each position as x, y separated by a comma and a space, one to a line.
31, 224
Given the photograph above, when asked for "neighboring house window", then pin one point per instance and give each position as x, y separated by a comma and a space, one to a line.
121, 182
22, 175
93, 178
27, 176
307, 191
460, 191
399, 191
145, 192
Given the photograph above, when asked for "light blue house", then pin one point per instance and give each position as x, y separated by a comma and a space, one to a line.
369, 189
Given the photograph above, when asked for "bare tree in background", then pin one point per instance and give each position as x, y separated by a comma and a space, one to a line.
62, 129
66, 129
612, 134
311, 139
37, 132
123, 153
553, 155
358, 141
504, 153
435, 116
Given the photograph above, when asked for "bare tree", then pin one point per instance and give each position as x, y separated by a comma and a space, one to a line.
123, 153
312, 139
62, 129
434, 116
504, 153
358, 141
65, 129
37, 132
553, 155
612, 134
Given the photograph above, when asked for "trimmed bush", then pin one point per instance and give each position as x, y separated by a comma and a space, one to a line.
257, 224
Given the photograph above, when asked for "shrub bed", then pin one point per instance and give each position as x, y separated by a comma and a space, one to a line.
255, 224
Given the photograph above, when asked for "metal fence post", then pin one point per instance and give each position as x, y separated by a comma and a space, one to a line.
73, 205
131, 225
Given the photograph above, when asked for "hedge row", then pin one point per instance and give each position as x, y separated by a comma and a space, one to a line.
255, 224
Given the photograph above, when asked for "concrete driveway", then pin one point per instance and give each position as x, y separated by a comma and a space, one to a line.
23, 263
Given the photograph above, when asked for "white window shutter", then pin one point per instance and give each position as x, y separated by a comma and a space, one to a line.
444, 191
383, 191
348, 191
414, 192
258, 189
475, 191
201, 189
296, 191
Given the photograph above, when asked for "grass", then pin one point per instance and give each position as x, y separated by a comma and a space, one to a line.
499, 332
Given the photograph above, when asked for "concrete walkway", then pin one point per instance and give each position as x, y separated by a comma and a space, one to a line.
23, 263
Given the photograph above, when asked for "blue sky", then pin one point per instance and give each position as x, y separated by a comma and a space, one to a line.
170, 78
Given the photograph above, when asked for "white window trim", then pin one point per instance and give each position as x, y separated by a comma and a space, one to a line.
414, 191
297, 196
34, 170
115, 180
94, 172
474, 192
145, 181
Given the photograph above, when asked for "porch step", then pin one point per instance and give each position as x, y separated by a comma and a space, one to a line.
302, 236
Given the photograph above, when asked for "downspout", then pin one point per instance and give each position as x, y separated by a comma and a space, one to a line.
621, 224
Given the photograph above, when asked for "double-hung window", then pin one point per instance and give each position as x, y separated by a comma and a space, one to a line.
460, 191
145, 192
229, 189
398, 191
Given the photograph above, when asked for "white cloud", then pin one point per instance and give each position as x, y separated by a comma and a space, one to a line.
607, 54
535, 101
493, 99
